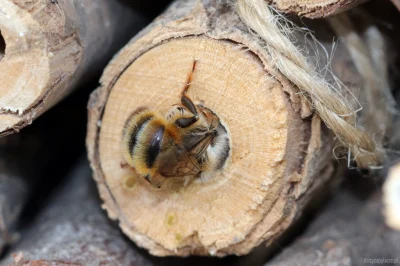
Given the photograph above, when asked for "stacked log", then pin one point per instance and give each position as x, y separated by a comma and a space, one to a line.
281, 153
48, 48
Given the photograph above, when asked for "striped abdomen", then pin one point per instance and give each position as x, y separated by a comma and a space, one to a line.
146, 134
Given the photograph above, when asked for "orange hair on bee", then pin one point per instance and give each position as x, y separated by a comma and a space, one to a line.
145, 134
133, 125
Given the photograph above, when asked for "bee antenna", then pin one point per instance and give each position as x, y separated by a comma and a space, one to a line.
189, 79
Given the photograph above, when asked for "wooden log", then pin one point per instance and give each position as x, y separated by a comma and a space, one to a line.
13, 195
33, 161
48, 47
280, 155
73, 230
350, 231
314, 8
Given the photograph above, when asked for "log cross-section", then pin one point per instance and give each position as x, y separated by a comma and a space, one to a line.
280, 153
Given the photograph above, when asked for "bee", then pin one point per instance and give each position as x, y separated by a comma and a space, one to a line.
189, 141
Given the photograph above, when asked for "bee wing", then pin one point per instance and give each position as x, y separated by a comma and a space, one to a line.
198, 149
185, 167
178, 163
186, 162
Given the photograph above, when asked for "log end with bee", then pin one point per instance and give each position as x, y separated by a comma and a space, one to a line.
199, 147
187, 142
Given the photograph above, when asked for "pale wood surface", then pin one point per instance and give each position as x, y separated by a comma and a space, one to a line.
49, 48
258, 130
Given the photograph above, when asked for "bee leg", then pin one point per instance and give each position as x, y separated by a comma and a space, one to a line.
156, 180
199, 148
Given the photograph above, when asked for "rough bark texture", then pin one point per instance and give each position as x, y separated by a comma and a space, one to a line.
314, 8
49, 47
274, 187
13, 195
13, 189
34, 161
12, 199
73, 230
350, 231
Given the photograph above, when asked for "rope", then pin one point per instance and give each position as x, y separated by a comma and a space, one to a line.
333, 108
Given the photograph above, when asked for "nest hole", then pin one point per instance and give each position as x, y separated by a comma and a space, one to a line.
2, 46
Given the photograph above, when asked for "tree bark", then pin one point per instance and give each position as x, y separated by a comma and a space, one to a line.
314, 8
34, 161
280, 154
350, 231
48, 47
13, 194
73, 230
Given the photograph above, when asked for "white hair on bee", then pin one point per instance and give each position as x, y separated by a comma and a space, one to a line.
218, 153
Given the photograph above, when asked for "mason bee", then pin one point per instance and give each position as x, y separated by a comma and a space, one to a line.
189, 141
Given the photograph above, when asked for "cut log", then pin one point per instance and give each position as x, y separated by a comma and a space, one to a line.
33, 161
349, 232
48, 47
279, 154
391, 198
314, 8
73, 230
13, 191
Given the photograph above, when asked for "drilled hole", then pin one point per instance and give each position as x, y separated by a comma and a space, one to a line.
2, 46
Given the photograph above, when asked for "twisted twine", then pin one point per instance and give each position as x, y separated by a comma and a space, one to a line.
333, 108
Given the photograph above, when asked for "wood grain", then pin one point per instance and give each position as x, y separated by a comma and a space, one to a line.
50, 48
